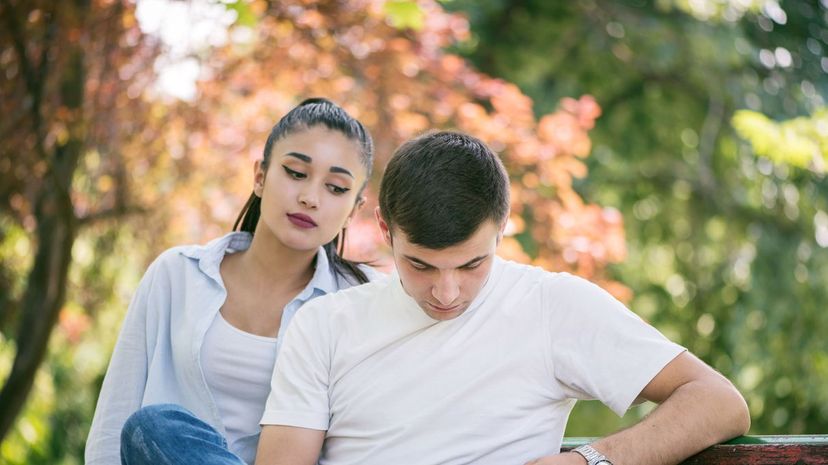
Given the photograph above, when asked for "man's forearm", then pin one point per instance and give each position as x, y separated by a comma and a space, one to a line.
697, 414
286, 445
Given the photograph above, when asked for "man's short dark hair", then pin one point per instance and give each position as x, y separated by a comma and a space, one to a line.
439, 188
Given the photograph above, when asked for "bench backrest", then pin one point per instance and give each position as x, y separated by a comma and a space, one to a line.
752, 450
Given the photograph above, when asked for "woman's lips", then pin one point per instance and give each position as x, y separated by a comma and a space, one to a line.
302, 221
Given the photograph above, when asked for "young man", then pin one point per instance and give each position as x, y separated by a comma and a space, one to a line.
464, 358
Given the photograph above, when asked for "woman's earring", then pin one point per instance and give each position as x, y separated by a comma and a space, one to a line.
341, 243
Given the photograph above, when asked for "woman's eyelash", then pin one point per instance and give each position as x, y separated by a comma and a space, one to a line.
300, 175
338, 190
294, 174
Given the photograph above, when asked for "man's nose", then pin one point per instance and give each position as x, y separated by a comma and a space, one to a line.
446, 289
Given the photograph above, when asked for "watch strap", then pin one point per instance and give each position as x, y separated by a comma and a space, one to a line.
592, 456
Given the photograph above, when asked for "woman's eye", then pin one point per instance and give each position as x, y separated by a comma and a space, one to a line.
294, 174
337, 190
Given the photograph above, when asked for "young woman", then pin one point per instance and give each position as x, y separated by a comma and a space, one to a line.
203, 329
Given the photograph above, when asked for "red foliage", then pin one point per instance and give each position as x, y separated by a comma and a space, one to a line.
400, 83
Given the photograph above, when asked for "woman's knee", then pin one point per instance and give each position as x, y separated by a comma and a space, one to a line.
168, 433
150, 421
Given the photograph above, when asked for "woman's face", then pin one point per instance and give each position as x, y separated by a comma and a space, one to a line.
309, 190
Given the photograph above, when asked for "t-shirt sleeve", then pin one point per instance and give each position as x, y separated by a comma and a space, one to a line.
599, 349
299, 387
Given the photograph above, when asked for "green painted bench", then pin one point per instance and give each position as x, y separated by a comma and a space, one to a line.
752, 450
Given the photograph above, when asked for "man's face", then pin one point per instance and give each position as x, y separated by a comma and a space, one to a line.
444, 282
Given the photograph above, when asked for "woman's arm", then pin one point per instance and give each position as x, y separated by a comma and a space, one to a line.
125, 380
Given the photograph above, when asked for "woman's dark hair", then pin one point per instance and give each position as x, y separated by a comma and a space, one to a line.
439, 188
315, 112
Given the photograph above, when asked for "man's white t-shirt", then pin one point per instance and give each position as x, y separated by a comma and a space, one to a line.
493, 386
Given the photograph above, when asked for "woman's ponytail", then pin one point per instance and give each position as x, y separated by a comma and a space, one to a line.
249, 216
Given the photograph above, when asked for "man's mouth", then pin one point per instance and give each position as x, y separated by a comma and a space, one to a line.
442, 309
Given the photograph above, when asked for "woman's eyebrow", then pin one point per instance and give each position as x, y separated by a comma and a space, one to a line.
307, 159
337, 169
300, 156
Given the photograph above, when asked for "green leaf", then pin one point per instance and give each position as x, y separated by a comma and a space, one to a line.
404, 14
801, 142
245, 16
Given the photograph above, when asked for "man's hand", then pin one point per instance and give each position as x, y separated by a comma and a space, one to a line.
565, 458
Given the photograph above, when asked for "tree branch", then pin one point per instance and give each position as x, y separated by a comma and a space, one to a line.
110, 213
35, 75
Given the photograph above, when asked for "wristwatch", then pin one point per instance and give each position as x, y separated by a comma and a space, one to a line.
592, 456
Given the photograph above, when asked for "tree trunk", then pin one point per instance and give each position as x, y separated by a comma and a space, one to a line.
56, 231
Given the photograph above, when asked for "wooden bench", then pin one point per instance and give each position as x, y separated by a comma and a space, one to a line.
752, 450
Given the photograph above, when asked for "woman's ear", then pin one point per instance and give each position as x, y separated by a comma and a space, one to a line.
357, 207
259, 171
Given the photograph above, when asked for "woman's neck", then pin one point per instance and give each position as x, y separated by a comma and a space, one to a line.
269, 258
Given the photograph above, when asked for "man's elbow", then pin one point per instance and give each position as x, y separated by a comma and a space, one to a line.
736, 420
742, 415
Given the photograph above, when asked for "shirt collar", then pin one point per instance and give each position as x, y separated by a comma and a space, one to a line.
209, 258
323, 278
411, 303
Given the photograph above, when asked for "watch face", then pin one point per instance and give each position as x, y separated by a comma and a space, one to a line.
603, 462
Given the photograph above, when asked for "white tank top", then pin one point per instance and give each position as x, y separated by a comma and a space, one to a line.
237, 367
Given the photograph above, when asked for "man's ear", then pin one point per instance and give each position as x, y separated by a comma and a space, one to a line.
384, 229
259, 171
502, 229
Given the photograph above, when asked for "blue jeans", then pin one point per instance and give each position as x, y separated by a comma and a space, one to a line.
170, 434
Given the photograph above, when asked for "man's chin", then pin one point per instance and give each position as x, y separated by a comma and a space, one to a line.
442, 314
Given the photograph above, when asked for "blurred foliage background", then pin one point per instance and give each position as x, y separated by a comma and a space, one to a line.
672, 150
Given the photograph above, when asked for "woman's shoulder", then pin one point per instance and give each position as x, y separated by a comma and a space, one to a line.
174, 258
179, 257
347, 279
371, 273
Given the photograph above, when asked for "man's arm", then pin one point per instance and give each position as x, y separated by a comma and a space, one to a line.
289, 445
698, 408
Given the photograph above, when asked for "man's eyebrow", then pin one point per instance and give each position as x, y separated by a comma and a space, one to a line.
474, 260
464, 265
307, 159
418, 261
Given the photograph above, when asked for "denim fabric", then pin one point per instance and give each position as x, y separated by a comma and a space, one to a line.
165, 434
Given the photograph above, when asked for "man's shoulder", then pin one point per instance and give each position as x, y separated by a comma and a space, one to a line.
509, 273
552, 290
350, 299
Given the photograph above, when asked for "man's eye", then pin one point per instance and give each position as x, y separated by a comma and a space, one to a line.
337, 190
294, 174
419, 267
472, 266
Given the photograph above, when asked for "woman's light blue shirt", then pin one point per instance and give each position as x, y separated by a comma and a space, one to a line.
156, 358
